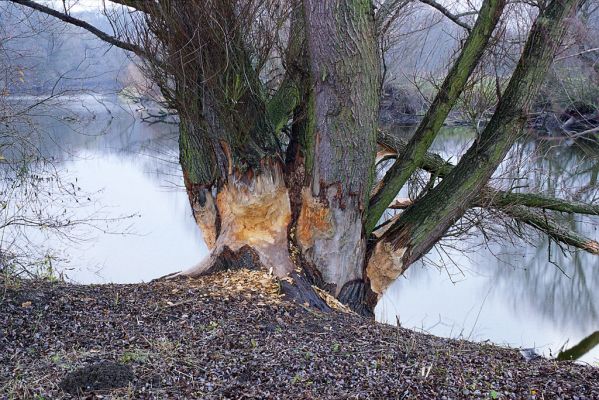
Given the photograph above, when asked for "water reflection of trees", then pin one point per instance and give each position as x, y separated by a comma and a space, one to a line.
40, 188
561, 168
112, 129
531, 269
556, 282
559, 286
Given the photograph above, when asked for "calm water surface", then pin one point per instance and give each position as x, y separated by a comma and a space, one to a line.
514, 295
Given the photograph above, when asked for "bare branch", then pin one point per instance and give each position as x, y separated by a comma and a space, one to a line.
552, 228
82, 24
449, 14
534, 200
532, 217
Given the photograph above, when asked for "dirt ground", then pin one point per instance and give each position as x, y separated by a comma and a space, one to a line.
231, 335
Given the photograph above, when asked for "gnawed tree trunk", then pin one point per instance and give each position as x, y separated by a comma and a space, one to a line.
345, 66
252, 210
302, 216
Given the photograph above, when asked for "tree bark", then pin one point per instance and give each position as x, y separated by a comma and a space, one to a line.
345, 70
580, 349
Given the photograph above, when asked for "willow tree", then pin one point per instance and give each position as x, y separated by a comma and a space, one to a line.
278, 104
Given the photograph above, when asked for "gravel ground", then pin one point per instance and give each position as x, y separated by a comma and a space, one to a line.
231, 335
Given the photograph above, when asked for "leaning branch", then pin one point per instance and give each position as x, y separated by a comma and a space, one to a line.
582, 348
82, 24
552, 228
526, 208
452, 17
423, 224
532, 217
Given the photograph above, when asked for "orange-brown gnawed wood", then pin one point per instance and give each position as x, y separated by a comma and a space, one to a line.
205, 216
314, 220
384, 153
254, 211
592, 247
384, 267
330, 236
254, 218
257, 213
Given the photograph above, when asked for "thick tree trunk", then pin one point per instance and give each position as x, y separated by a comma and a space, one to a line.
307, 215
344, 64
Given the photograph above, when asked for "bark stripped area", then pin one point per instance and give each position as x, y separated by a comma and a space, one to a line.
331, 238
254, 217
205, 214
384, 267
253, 211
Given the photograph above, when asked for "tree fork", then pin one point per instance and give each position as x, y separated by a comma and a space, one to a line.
411, 158
423, 224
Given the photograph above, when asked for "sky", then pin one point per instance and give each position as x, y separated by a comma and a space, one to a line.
77, 5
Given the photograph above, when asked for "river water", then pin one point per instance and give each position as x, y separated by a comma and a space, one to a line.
523, 295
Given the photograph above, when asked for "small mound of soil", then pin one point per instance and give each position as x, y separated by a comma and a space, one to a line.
103, 375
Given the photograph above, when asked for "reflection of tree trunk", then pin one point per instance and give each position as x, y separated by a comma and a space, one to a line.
583, 347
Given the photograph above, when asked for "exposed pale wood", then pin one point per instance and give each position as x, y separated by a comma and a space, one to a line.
254, 212
331, 237
384, 266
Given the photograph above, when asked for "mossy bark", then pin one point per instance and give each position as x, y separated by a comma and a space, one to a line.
233, 163
345, 74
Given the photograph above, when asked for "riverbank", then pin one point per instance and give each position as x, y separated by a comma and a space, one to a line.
231, 336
